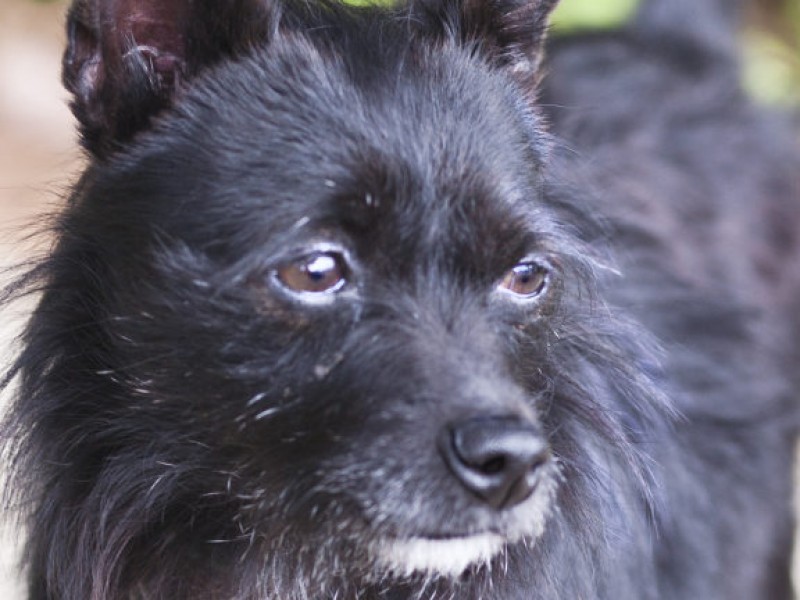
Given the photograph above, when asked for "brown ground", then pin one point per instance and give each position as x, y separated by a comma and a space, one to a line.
37, 155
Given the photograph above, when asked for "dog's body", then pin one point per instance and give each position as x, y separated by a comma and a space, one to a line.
332, 315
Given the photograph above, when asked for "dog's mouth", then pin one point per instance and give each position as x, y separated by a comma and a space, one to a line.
445, 556
450, 555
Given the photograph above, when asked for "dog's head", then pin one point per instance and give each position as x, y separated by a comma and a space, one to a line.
325, 306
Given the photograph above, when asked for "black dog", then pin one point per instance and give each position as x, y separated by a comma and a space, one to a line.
334, 313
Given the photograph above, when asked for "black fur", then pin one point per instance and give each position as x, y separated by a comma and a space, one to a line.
185, 427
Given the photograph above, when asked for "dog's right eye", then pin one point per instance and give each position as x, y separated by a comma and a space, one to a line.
527, 280
319, 273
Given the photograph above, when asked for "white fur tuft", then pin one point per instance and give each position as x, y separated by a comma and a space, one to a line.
449, 557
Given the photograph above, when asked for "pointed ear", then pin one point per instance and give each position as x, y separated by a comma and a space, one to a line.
511, 33
127, 59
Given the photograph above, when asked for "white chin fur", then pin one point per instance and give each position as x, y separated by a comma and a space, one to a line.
449, 557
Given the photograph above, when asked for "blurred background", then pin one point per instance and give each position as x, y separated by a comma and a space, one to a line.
39, 156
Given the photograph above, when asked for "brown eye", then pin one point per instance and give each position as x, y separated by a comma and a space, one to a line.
315, 274
526, 280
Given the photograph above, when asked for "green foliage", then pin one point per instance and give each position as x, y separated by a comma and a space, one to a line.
572, 15
771, 69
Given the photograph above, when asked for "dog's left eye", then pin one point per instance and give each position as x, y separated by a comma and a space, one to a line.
526, 280
319, 273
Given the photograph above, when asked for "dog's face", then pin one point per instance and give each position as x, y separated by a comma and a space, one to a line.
337, 272
336, 328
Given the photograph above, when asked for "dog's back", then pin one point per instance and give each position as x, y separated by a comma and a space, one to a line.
340, 309
703, 189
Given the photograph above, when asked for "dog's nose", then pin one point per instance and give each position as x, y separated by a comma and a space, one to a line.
496, 458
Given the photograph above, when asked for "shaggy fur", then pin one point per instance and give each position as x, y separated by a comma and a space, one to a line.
188, 427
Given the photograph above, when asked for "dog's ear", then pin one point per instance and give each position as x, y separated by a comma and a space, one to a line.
127, 59
510, 33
